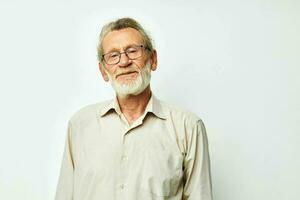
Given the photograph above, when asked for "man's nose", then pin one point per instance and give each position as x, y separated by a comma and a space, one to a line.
124, 60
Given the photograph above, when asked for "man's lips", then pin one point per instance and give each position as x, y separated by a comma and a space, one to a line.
125, 73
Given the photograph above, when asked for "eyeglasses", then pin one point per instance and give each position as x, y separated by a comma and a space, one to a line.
132, 53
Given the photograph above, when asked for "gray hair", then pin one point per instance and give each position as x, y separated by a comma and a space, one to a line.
119, 24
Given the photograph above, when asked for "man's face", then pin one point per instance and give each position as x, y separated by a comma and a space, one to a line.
128, 76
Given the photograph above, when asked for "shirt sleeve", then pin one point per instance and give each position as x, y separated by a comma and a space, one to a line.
197, 175
64, 189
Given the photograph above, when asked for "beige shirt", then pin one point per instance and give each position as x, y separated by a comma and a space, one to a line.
163, 155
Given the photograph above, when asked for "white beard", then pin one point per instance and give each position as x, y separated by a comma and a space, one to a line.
135, 87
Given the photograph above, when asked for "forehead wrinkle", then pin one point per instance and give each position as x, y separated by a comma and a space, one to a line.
121, 39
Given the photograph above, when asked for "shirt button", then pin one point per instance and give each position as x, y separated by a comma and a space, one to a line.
124, 157
122, 186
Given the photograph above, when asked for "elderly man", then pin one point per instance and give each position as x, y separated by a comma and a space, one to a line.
133, 147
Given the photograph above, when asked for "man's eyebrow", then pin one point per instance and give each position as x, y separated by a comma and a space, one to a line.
118, 50
112, 50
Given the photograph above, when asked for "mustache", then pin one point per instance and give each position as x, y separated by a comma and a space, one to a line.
127, 71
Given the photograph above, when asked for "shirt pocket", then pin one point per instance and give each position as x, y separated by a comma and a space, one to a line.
162, 172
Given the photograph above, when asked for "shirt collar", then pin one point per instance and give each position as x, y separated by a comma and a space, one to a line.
153, 106
111, 105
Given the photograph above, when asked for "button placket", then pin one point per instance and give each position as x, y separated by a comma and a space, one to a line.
124, 153
123, 164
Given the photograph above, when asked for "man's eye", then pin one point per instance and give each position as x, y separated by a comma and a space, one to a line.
114, 55
131, 50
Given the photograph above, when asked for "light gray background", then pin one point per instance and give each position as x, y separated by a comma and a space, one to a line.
234, 63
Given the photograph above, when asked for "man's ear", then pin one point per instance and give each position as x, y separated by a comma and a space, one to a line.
103, 72
153, 58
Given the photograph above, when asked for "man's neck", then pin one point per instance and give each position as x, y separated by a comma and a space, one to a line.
133, 106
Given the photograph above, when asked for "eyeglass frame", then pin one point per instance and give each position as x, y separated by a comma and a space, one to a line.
126, 53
